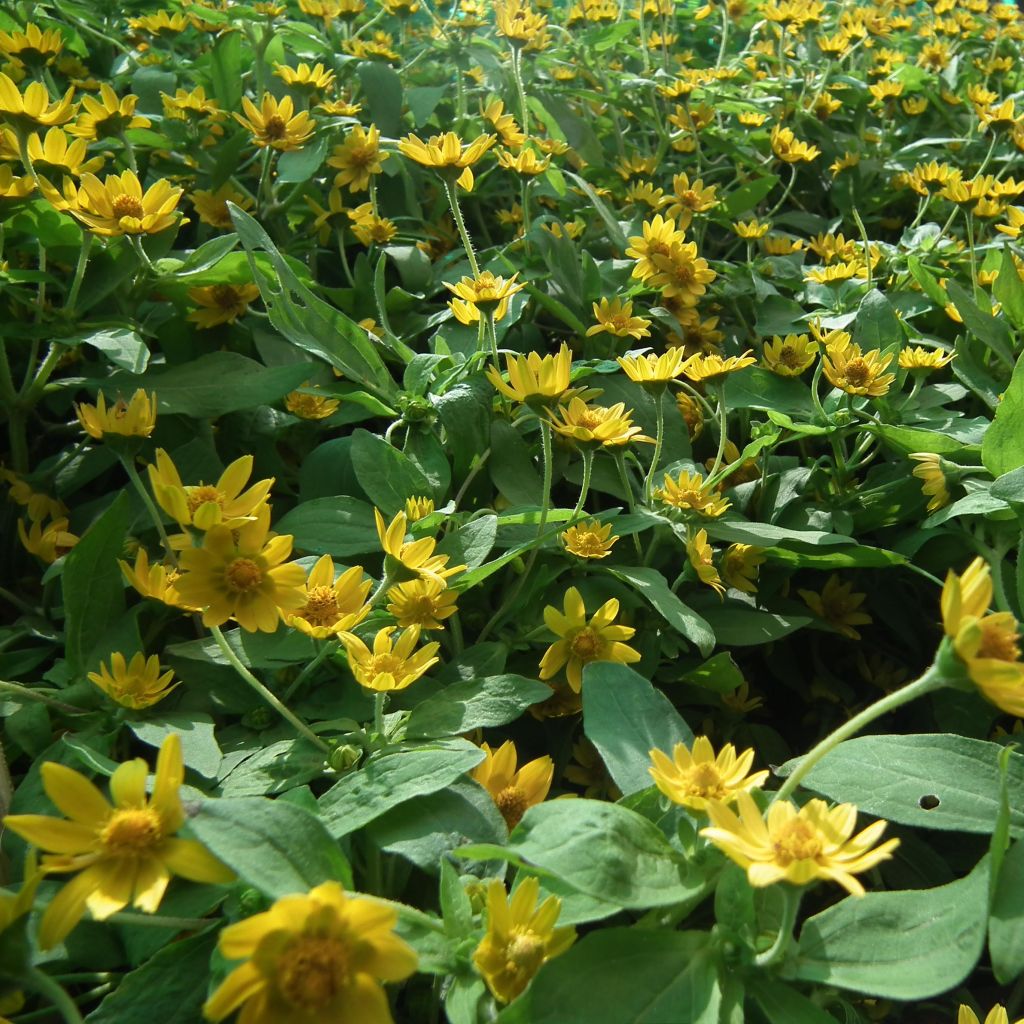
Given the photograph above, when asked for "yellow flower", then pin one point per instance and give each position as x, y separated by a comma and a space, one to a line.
23, 112
751, 119
997, 1015
659, 235
681, 275
857, 372
275, 124
589, 540
797, 846
513, 790
582, 640
238, 574
204, 505
56, 153
107, 116
309, 406
987, 643
160, 24
48, 542
693, 779
651, 369
12, 187
690, 198
533, 378
702, 367
700, 553
221, 303
752, 229
413, 559
518, 22
185, 105
423, 603
691, 414
520, 937
212, 207
616, 317
418, 507
791, 150
135, 418
318, 958
306, 78
487, 294
837, 605
789, 356
369, 228
118, 206
504, 124
39, 506
593, 425
740, 566
918, 359
136, 684
447, 154
126, 852
689, 493
391, 665
332, 605
358, 158
155, 581
933, 479
34, 48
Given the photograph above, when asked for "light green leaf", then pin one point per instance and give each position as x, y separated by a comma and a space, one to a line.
475, 704
199, 748
387, 475
1006, 924
1002, 449
654, 587
340, 526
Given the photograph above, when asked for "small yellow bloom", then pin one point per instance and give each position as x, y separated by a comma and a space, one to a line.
589, 540
701, 367
38, 505
752, 229
692, 415
689, 493
155, 581
126, 852
701, 556
418, 507
918, 359
525, 162
221, 303
681, 275
191, 105
275, 124
358, 158
933, 479
520, 937
423, 603
615, 317
447, 154
117, 206
582, 641
513, 790
857, 372
332, 605
135, 418
837, 605
789, 356
797, 846
305, 78
107, 116
534, 378
56, 153
997, 1015
593, 425
136, 684
313, 957
413, 559
740, 567
309, 406
212, 207
791, 150
485, 295
659, 235
33, 109
391, 665
519, 23
652, 369
694, 778
47, 542
370, 228
33, 48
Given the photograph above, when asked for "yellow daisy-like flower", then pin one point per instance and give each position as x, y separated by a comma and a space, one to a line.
275, 124
418, 507
504, 124
693, 778
534, 378
589, 540
34, 48
56, 153
924, 360
701, 556
615, 317
520, 937
447, 154
34, 107
651, 369
13, 187
582, 640
134, 418
212, 207
136, 684
305, 78
987, 643
739, 567
487, 294
314, 958
837, 605
691, 414
797, 846
681, 275
789, 356
125, 851
191, 105
701, 367
596, 425
358, 158
391, 665
525, 162
38, 505
153, 580
513, 790
107, 116
47, 542
309, 406
519, 23
997, 1015
659, 235
788, 148
369, 228
857, 372
332, 605
423, 603
238, 574
689, 493
221, 303
752, 229
410, 560
933, 479
118, 206
205, 505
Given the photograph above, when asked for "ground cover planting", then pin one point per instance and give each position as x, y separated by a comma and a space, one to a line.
512, 512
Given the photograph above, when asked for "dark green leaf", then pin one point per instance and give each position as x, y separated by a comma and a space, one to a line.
653, 586
1002, 449
475, 704
383, 91
340, 526
387, 475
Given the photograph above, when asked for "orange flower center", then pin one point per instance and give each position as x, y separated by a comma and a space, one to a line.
385, 665
997, 641
275, 128
243, 576
512, 803
132, 831
858, 373
225, 297
704, 780
790, 357
312, 970
321, 607
588, 545
420, 610
525, 952
796, 840
201, 495
127, 206
586, 645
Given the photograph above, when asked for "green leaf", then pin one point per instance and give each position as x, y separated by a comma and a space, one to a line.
340, 526
858, 557
898, 945
471, 543
877, 325
254, 650
654, 587
1006, 923
1002, 449
226, 70
383, 91
929, 285
165, 988
990, 330
615, 232
720, 674
93, 587
942, 781
391, 779
625, 975
475, 704
625, 717
121, 345
782, 1004
275, 846
423, 101
755, 388
1008, 289
302, 164
746, 197
907, 440
387, 475
736, 626
199, 748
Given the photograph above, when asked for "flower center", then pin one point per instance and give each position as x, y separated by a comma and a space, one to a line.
127, 206
796, 841
321, 607
704, 780
511, 802
385, 665
274, 128
311, 971
589, 544
525, 952
243, 576
998, 641
132, 831
201, 495
789, 357
858, 373
225, 296
586, 645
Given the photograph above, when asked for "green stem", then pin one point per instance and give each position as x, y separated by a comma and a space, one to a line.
154, 512
467, 244
932, 680
179, 924
722, 426
386, 582
76, 284
725, 35
588, 465
791, 903
129, 152
28, 693
659, 440
47, 987
380, 703
327, 648
296, 722
517, 74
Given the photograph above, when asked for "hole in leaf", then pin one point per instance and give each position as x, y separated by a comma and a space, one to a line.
928, 802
